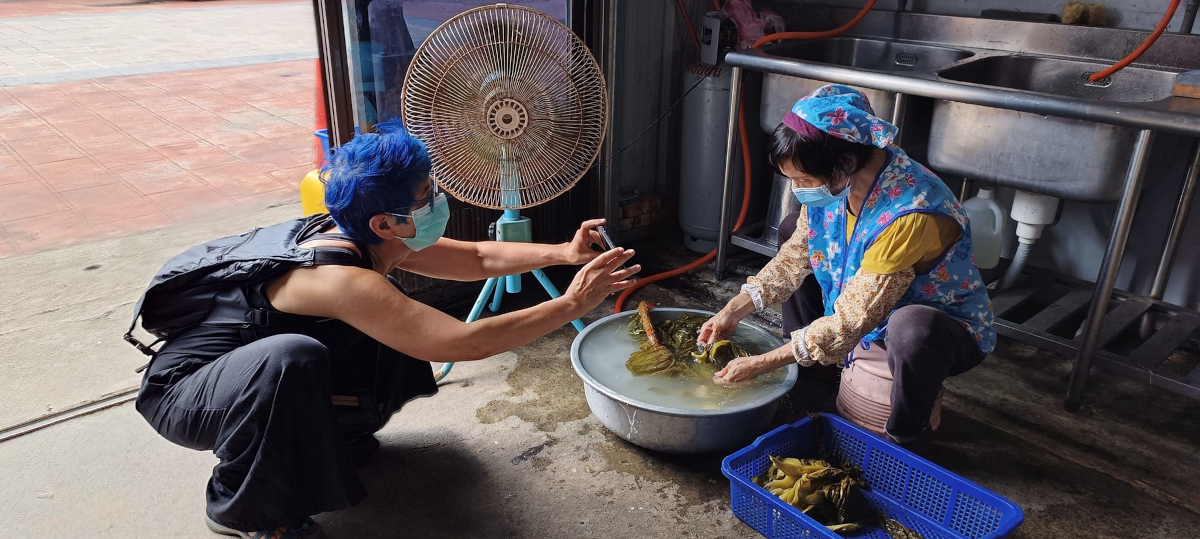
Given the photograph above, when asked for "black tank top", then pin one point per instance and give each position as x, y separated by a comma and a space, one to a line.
217, 336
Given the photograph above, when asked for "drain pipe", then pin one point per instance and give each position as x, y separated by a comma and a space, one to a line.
1189, 17
1032, 212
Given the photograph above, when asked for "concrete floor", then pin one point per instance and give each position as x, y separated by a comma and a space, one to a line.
508, 447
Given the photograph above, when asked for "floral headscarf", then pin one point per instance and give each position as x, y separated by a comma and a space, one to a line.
843, 112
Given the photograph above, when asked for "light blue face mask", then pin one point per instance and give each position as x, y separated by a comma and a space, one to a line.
430, 222
819, 197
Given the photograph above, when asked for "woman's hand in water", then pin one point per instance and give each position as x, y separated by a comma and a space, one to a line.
745, 369
721, 325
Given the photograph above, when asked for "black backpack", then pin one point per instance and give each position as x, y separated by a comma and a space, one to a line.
182, 293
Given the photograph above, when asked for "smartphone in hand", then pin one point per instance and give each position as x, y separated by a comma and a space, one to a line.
608, 242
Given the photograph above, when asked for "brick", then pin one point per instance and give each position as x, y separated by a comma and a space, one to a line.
625, 225
637, 208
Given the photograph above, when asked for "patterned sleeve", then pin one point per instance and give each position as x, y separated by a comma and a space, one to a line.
865, 303
783, 275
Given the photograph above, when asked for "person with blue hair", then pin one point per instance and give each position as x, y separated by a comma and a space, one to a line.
305, 346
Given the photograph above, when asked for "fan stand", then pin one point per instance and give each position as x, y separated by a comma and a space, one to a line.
511, 227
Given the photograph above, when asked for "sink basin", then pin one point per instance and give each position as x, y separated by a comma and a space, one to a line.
1066, 158
780, 92
1067, 78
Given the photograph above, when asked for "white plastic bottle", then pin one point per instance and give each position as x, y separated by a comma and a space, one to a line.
987, 227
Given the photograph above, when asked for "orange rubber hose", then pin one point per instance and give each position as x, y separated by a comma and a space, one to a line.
1145, 46
818, 35
717, 5
745, 153
688, 19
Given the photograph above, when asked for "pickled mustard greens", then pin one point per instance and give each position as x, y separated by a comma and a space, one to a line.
669, 347
831, 495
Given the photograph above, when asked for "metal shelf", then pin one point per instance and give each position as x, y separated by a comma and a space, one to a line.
1046, 326
758, 245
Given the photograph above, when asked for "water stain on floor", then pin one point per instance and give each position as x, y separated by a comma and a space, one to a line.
543, 372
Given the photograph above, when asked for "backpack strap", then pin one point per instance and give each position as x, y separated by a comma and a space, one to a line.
322, 256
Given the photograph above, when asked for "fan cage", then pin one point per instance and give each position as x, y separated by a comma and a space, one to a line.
512, 81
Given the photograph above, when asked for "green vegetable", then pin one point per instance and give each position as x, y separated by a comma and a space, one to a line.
831, 495
669, 347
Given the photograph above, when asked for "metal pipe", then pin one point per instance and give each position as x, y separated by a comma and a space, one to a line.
1183, 207
1111, 264
731, 140
610, 191
927, 85
1189, 17
900, 106
964, 191
335, 70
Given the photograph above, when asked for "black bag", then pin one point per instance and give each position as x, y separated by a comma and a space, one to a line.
182, 293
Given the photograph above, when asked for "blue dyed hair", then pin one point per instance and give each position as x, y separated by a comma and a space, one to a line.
372, 174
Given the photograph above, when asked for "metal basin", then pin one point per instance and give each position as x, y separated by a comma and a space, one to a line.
674, 430
1073, 159
780, 92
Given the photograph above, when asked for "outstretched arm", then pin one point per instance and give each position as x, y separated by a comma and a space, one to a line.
367, 301
474, 260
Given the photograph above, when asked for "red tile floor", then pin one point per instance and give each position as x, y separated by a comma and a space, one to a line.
107, 157
41, 8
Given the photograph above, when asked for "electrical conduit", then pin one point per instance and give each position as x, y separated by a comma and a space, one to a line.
745, 149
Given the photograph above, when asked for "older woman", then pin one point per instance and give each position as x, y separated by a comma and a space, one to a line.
879, 255
313, 321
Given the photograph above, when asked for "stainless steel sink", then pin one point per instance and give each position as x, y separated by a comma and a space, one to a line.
1064, 77
1067, 158
781, 92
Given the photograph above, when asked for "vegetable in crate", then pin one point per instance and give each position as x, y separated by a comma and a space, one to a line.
829, 494
670, 347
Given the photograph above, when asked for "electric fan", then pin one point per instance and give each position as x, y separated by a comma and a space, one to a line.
512, 108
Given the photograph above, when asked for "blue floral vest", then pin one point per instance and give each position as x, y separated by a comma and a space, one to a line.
952, 286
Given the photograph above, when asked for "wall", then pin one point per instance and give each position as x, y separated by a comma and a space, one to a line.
650, 52
1138, 14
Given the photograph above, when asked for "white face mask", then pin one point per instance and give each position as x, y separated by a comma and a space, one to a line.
430, 221
819, 197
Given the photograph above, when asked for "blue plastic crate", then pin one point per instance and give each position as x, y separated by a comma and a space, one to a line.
920, 494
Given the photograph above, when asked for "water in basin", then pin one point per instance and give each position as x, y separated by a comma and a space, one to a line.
606, 348
1068, 78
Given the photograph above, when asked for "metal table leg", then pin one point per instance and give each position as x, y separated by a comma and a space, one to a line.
898, 110
735, 98
1183, 207
1107, 277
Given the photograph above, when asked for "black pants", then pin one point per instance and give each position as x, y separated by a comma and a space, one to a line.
265, 409
924, 346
